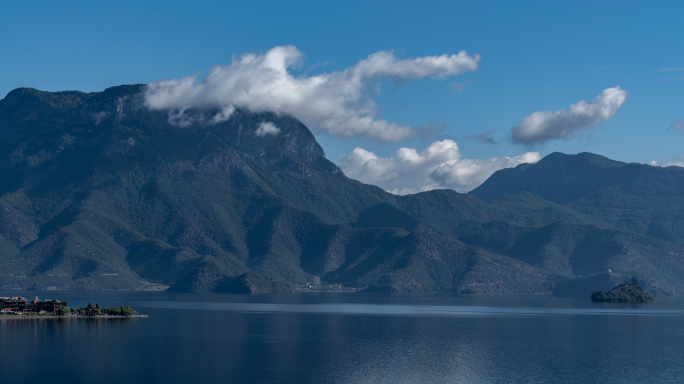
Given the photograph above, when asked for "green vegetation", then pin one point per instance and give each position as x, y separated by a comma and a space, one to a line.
99, 193
629, 196
96, 310
624, 293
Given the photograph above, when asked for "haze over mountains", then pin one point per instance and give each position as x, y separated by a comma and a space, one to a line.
100, 192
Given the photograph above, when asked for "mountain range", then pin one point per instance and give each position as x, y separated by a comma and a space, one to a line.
100, 192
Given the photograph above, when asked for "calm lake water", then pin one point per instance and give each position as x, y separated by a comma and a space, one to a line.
348, 338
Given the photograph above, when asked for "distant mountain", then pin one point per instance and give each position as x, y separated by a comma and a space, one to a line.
635, 197
100, 192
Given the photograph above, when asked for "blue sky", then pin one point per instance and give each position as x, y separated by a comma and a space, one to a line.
534, 56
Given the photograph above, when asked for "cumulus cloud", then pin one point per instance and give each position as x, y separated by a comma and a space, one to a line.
267, 128
438, 166
338, 103
542, 126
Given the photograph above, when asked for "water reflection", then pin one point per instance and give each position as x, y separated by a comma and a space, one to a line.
349, 339
426, 310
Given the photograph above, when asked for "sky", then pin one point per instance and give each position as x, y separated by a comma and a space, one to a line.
409, 96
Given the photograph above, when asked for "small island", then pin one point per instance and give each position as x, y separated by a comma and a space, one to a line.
19, 307
624, 293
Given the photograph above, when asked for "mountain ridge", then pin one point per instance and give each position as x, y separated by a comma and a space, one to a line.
102, 193
636, 197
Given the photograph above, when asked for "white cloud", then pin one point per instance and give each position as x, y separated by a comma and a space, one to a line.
339, 103
267, 128
436, 167
542, 126
179, 118
224, 115
100, 116
677, 161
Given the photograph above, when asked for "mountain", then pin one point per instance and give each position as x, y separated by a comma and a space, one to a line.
97, 185
636, 197
99, 192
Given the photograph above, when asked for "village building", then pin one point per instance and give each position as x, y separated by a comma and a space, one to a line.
20, 304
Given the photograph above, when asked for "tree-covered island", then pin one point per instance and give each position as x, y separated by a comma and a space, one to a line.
624, 293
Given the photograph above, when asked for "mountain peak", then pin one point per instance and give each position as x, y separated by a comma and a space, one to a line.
558, 177
64, 99
563, 179
586, 158
115, 122
70, 99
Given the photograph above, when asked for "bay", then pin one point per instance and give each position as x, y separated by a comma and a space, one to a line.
347, 338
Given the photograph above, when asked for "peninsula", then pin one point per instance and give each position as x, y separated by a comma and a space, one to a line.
15, 307
624, 293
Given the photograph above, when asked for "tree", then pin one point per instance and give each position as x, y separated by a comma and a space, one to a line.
599, 296
126, 311
63, 311
112, 311
635, 281
90, 306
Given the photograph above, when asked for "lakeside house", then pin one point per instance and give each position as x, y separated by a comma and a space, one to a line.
22, 305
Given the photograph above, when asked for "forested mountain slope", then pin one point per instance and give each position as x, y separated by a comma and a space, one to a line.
100, 192
636, 197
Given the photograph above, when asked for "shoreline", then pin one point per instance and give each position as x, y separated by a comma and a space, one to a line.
97, 317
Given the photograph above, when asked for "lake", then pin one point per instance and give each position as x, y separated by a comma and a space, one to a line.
347, 338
